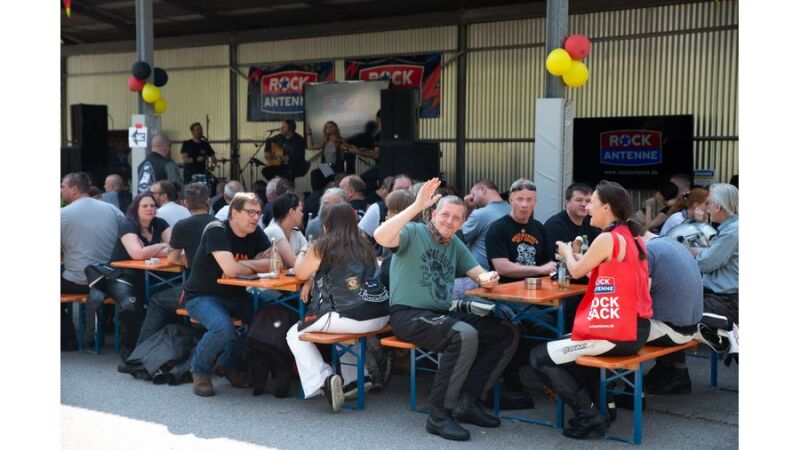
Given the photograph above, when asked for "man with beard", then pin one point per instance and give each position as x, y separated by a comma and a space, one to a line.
473, 347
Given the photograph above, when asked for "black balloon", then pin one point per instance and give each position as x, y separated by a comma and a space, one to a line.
140, 70
160, 77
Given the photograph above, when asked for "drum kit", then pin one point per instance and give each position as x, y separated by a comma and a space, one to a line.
209, 178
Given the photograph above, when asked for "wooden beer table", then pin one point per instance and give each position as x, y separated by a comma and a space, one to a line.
284, 283
161, 266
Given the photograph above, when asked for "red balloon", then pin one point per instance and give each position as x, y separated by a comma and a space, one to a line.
135, 84
578, 46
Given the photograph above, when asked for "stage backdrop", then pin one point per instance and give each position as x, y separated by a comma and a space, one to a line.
637, 152
276, 92
351, 104
422, 72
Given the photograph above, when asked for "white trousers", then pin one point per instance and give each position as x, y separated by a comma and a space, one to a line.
312, 369
659, 329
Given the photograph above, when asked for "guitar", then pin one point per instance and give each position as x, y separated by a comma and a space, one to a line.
275, 154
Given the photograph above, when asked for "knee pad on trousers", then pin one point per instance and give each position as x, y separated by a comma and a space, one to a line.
716, 321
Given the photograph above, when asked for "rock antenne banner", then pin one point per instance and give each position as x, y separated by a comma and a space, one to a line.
422, 72
276, 92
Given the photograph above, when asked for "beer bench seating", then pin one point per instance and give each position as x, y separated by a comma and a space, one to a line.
81, 299
346, 343
620, 366
184, 313
418, 354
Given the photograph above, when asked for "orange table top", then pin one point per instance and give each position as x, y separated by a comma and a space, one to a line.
282, 283
549, 294
162, 266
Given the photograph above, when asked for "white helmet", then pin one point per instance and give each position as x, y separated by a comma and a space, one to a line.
693, 234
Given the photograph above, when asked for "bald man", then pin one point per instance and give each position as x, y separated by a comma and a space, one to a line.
116, 193
158, 165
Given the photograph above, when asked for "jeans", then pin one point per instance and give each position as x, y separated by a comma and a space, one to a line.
221, 336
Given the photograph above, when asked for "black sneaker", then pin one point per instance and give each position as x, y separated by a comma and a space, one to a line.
333, 392
351, 389
625, 401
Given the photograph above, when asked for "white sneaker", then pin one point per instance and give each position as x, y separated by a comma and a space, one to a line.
333, 392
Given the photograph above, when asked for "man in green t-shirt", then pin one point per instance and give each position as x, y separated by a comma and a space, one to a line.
425, 264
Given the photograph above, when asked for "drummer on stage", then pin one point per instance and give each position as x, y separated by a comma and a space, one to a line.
195, 153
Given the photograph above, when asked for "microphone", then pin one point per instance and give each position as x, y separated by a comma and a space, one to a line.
274, 130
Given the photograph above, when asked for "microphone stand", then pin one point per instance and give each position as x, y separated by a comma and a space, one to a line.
250, 162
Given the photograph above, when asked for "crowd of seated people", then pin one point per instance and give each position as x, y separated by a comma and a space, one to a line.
406, 260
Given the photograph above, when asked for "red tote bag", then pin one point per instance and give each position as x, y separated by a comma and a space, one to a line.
608, 309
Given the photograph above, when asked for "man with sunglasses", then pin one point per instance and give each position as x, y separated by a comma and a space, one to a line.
236, 246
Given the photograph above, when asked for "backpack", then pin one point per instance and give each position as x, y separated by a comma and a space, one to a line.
164, 357
266, 351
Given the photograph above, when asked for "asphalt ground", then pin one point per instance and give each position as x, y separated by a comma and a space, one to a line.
104, 409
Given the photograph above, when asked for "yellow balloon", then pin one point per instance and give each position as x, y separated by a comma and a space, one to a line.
150, 93
558, 62
577, 76
160, 106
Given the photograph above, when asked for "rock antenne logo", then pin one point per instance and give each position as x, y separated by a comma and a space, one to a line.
282, 92
605, 285
630, 147
400, 75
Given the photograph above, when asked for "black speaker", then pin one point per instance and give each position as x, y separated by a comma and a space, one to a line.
420, 160
90, 135
70, 160
399, 114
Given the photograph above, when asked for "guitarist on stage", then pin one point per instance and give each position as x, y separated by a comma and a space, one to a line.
285, 154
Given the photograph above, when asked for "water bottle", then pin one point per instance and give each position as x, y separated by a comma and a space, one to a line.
275, 262
563, 275
584, 244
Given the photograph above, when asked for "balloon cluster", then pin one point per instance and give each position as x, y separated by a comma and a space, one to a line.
566, 62
150, 92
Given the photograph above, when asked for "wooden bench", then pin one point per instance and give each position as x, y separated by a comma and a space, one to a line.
184, 313
345, 343
620, 366
81, 300
417, 354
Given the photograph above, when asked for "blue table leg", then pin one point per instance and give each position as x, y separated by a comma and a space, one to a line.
714, 368
362, 351
413, 374
147, 286
637, 407
602, 397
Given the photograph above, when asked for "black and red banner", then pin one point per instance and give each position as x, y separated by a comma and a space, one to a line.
276, 92
421, 72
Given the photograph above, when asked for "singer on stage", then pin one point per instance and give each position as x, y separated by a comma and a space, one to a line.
291, 149
195, 152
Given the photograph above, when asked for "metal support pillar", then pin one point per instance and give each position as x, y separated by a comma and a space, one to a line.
144, 52
64, 109
461, 110
557, 29
233, 74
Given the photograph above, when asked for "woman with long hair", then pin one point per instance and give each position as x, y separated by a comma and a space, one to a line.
618, 265
333, 146
142, 236
348, 297
690, 206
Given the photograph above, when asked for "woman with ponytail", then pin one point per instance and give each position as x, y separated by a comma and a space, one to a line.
612, 319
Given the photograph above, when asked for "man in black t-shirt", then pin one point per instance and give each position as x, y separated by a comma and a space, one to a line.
573, 221
183, 245
517, 244
516, 247
195, 153
231, 248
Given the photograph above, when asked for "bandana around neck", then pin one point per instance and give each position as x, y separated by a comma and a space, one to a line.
438, 236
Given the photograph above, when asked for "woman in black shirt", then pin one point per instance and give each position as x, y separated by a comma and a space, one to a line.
142, 235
